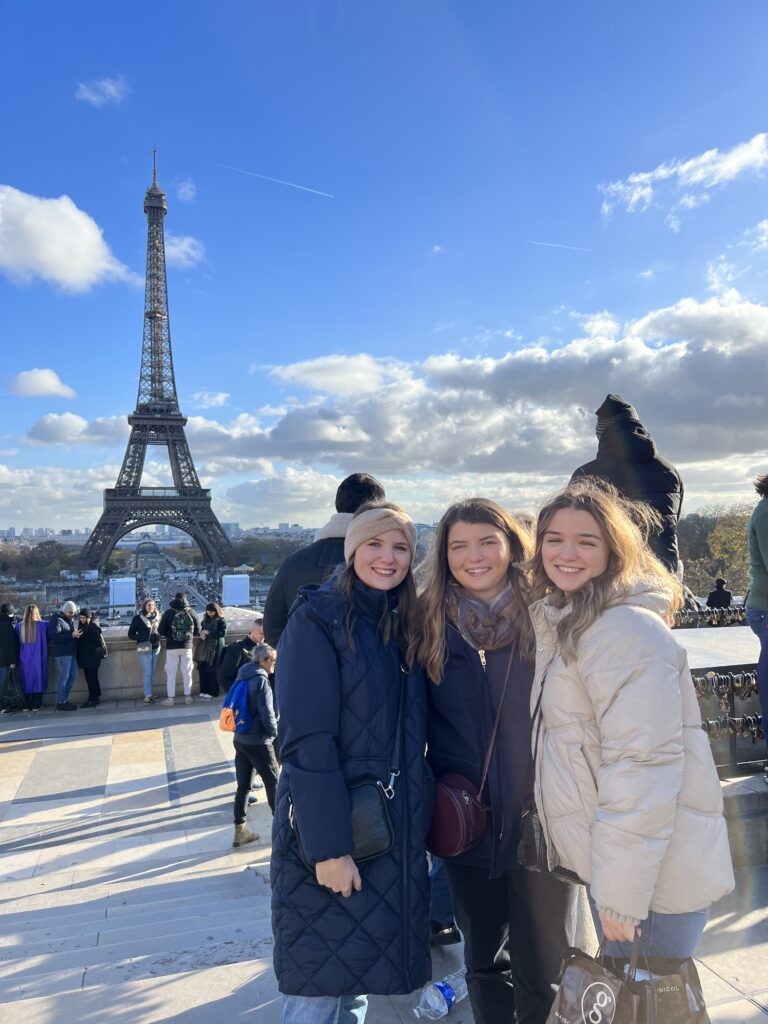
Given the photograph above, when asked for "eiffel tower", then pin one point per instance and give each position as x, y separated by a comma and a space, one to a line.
157, 420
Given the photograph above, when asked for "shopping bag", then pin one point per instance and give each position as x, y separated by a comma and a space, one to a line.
12, 692
591, 992
672, 994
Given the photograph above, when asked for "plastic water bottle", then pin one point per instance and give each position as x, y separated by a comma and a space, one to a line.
438, 998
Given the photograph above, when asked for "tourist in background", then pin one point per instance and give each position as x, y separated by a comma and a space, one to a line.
317, 561
33, 656
213, 629
91, 651
477, 647
236, 654
253, 746
719, 597
9, 642
143, 629
62, 637
626, 786
178, 626
345, 670
757, 599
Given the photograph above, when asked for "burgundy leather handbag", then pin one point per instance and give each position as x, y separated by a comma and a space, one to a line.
460, 816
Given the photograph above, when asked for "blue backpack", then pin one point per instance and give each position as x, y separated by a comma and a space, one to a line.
235, 716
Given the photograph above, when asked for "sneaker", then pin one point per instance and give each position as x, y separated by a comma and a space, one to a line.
148, 700
89, 704
66, 706
444, 935
189, 700
35, 710
204, 696
168, 702
252, 799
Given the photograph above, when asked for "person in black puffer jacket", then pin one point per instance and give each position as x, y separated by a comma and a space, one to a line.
344, 670
627, 458
254, 746
91, 651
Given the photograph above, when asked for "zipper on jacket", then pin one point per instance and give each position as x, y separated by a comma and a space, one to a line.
481, 655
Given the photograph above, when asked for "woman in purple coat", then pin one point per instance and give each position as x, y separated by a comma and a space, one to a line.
33, 656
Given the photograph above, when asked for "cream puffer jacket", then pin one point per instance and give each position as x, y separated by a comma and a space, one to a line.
626, 787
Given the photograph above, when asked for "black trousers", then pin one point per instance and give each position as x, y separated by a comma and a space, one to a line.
208, 682
33, 700
92, 679
248, 756
515, 929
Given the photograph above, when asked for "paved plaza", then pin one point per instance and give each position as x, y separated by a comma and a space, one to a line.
123, 902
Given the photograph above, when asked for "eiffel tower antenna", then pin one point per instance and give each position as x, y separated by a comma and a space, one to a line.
157, 420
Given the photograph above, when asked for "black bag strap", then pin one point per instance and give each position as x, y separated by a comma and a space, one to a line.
394, 761
492, 741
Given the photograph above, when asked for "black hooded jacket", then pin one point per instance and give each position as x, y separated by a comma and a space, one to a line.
627, 458
9, 641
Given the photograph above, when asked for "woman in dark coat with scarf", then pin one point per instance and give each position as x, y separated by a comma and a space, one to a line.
345, 677
477, 647
91, 650
213, 629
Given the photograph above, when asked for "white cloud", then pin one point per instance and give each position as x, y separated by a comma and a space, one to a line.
56, 496
33, 383
647, 275
54, 240
341, 375
642, 189
186, 191
436, 250
68, 428
209, 399
757, 237
183, 251
101, 91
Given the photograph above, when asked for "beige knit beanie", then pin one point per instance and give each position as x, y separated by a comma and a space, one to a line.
374, 522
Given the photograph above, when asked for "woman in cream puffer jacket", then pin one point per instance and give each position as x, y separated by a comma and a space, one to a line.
626, 787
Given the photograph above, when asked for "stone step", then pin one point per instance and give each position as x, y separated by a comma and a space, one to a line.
21, 942
199, 947
45, 980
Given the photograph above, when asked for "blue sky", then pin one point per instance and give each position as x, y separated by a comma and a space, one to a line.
403, 322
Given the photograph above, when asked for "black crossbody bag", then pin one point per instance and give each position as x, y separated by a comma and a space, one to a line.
372, 831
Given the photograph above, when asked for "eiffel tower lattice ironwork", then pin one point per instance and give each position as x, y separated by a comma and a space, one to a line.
157, 420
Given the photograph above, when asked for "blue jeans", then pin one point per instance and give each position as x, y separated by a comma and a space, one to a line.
673, 936
440, 899
324, 1009
758, 623
148, 660
67, 670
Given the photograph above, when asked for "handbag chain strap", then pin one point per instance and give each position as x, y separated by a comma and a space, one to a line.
495, 729
394, 761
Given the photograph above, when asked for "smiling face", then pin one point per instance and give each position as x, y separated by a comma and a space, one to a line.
478, 557
573, 549
383, 562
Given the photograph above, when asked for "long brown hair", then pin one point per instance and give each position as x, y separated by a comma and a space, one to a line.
625, 526
432, 650
29, 624
403, 626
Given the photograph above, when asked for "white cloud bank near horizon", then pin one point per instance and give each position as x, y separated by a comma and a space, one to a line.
513, 426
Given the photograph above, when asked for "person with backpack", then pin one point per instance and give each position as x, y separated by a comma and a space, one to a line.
178, 626
91, 650
250, 703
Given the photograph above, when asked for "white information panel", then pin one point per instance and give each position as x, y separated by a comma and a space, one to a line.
122, 594
235, 591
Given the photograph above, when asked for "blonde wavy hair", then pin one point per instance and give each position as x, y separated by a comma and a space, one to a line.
625, 526
432, 648
29, 624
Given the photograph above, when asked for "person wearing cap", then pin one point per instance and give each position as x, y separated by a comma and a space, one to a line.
346, 679
318, 560
91, 650
628, 459
62, 637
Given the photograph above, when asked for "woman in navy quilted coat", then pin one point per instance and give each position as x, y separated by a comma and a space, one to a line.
344, 930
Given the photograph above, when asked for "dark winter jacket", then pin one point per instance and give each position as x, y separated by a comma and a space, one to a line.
232, 657
9, 642
338, 714
61, 636
141, 633
264, 726
719, 598
91, 647
627, 458
218, 627
164, 629
312, 564
462, 710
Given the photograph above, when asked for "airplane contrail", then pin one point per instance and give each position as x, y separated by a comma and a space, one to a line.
557, 245
277, 181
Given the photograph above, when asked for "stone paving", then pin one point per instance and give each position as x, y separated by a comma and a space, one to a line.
122, 900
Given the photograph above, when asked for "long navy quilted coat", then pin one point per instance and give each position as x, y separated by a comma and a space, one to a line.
338, 714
